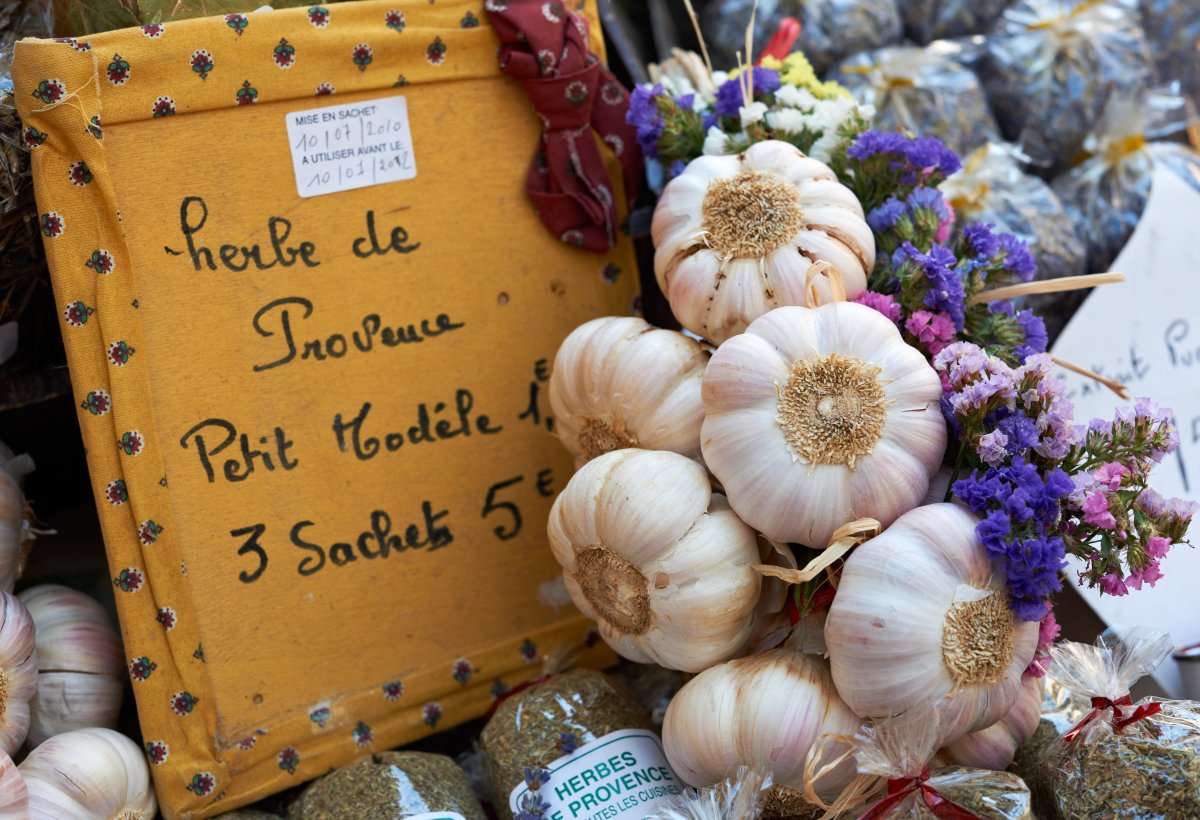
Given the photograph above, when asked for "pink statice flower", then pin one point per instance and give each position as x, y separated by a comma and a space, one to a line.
935, 331
1157, 546
882, 302
1113, 584
1110, 475
945, 226
1149, 574
1096, 512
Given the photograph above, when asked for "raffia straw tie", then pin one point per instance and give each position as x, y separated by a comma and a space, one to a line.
1060, 285
1112, 384
837, 287
846, 538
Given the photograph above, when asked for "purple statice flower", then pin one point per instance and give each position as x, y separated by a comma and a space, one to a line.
1018, 260
1032, 328
1031, 568
883, 302
930, 153
536, 777
945, 288
874, 143
677, 168
729, 99
993, 448
929, 199
979, 240
885, 217
1021, 432
643, 115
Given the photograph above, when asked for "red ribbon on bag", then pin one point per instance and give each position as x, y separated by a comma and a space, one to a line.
899, 789
780, 44
1100, 705
544, 47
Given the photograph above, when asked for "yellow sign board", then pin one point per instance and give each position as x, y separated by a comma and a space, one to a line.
309, 314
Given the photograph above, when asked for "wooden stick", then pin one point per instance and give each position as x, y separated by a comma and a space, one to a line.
699, 36
1112, 384
1060, 285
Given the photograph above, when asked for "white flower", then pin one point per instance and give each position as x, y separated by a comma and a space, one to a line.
788, 120
752, 113
719, 78
795, 97
715, 142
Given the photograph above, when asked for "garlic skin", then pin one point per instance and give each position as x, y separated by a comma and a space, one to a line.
815, 417
18, 671
620, 382
15, 536
14, 794
765, 710
658, 559
82, 682
994, 747
738, 235
922, 618
89, 774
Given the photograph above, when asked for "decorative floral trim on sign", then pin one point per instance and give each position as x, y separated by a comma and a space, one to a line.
77, 313
202, 784
363, 736
101, 261
129, 579
237, 22
118, 70
202, 63
97, 402
431, 713
318, 16
393, 690
284, 54
289, 759
142, 668
362, 56
157, 752
166, 617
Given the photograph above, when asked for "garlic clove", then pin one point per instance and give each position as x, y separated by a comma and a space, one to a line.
83, 671
801, 421
18, 671
742, 295
766, 710
994, 747
88, 774
615, 381
657, 559
920, 618
73, 700
14, 794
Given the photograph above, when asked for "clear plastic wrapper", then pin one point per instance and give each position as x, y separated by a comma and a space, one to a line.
1123, 760
739, 797
389, 786
1061, 710
1173, 29
993, 187
895, 781
921, 91
533, 729
1106, 193
926, 20
829, 29
1052, 66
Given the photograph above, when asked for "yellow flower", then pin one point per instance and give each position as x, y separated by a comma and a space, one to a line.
795, 69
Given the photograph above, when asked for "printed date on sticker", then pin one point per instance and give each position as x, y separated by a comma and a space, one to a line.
356, 145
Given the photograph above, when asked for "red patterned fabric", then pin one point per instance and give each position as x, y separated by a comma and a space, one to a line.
545, 48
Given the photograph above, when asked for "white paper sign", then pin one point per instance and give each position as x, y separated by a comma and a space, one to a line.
342, 147
1145, 332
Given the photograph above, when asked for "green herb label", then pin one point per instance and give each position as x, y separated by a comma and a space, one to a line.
621, 776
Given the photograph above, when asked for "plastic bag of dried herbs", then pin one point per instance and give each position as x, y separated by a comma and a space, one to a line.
895, 780
992, 187
575, 745
1052, 65
390, 786
926, 20
79, 18
1124, 760
1106, 193
1173, 29
1061, 710
921, 91
829, 29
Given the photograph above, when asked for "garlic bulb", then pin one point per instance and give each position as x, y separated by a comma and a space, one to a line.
14, 794
620, 382
18, 671
657, 559
15, 535
922, 617
817, 417
736, 236
89, 774
81, 682
994, 747
766, 710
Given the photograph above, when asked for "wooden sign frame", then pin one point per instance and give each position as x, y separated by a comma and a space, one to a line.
316, 425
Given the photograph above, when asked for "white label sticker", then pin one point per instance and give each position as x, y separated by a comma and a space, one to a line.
437, 815
621, 776
342, 147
